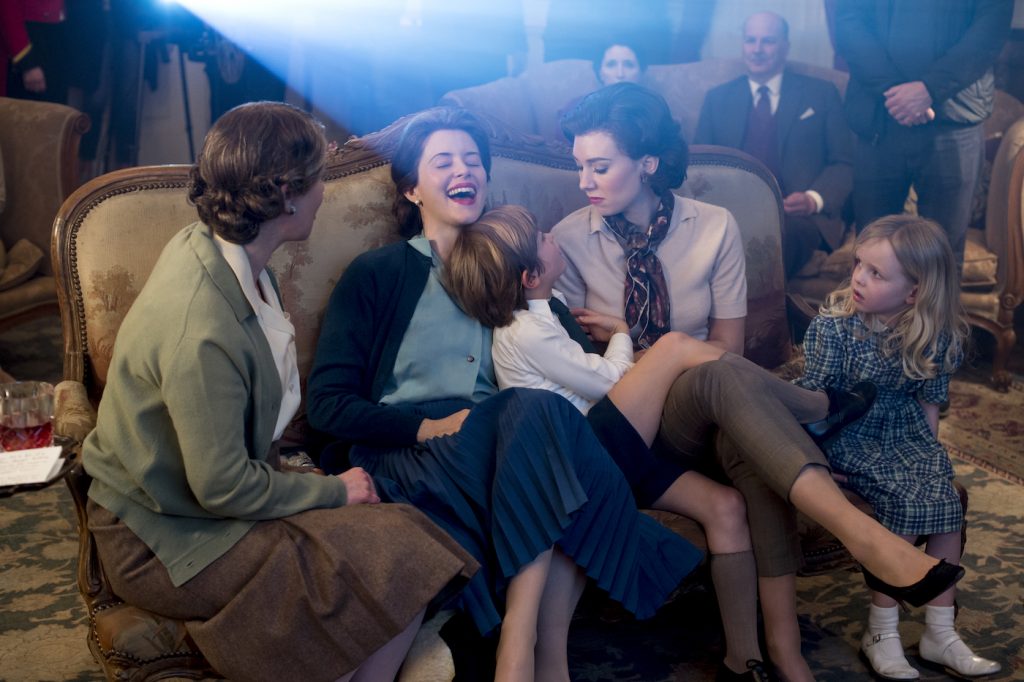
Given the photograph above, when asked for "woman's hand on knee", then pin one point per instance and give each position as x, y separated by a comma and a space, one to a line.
359, 486
433, 428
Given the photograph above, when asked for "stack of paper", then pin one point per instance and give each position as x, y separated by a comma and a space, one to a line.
38, 465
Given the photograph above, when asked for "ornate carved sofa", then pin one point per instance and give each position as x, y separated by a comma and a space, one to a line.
38, 170
108, 235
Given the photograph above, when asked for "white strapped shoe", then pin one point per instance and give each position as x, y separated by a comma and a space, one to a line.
884, 653
956, 657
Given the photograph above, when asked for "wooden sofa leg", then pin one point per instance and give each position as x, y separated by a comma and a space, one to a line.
1005, 340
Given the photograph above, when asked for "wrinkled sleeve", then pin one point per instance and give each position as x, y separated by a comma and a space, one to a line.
556, 357
823, 355
340, 382
936, 389
204, 378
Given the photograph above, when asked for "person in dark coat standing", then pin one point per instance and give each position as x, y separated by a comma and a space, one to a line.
921, 84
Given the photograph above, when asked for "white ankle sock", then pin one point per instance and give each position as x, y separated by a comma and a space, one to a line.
939, 626
883, 619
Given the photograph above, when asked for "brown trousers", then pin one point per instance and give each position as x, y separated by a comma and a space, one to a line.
757, 442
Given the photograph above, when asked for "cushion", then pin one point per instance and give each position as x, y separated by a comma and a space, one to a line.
839, 263
23, 260
980, 264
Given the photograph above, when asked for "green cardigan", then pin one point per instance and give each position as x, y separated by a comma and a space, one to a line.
188, 414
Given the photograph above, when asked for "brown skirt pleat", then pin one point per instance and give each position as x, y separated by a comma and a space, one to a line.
308, 597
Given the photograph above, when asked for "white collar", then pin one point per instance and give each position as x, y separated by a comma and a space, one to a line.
774, 85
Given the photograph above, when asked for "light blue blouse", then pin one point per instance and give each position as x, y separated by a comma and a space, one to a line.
444, 353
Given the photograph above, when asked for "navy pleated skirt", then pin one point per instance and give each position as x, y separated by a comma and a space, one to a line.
525, 473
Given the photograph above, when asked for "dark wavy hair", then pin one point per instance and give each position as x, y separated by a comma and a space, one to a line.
640, 122
406, 160
630, 41
254, 158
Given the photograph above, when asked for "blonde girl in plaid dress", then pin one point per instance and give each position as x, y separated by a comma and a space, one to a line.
898, 323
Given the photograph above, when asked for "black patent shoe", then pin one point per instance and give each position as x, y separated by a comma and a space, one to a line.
844, 408
937, 580
756, 672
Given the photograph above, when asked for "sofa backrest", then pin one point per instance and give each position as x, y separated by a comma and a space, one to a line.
110, 232
532, 101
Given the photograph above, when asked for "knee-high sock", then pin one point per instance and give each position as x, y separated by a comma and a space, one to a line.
735, 578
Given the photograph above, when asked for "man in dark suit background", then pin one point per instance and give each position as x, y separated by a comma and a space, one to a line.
796, 126
921, 85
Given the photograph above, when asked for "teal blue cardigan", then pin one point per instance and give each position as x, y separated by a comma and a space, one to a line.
188, 413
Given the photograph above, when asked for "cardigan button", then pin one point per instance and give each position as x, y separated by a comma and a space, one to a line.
470, 359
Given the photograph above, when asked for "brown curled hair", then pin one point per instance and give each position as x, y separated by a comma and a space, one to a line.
255, 157
484, 273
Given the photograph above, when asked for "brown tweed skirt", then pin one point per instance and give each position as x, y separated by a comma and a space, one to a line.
307, 597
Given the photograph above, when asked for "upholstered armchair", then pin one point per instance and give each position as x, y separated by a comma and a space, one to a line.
39, 150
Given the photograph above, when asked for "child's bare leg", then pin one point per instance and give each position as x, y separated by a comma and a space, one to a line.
519, 626
722, 512
562, 592
640, 394
804, 404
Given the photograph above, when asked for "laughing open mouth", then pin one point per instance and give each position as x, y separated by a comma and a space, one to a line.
462, 193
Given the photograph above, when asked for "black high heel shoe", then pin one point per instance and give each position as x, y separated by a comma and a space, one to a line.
844, 408
937, 580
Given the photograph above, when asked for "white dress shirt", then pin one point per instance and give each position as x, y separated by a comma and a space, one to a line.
276, 327
535, 351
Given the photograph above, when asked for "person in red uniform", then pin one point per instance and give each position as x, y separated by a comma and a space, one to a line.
18, 56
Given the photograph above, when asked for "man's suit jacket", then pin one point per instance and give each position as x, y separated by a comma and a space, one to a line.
815, 142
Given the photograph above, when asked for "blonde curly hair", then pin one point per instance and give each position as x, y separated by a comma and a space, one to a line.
923, 251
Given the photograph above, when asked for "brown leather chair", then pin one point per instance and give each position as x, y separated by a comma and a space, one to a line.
39, 147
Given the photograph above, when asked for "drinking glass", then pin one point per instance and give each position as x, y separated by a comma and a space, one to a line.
26, 415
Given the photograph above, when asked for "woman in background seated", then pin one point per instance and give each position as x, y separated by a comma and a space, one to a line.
619, 62
517, 476
667, 263
278, 575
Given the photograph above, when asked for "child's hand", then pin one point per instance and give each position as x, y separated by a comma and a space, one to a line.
599, 326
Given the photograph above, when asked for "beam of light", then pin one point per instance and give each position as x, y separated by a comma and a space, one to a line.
354, 53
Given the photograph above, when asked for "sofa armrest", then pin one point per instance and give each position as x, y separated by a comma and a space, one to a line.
73, 415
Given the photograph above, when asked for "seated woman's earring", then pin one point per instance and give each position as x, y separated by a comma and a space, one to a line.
419, 202
644, 177
290, 209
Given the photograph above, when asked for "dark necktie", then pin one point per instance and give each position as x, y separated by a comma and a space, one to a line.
566, 319
762, 132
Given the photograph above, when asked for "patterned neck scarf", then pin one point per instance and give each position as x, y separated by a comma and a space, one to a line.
648, 308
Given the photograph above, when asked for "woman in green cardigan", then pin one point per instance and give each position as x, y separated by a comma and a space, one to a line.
278, 574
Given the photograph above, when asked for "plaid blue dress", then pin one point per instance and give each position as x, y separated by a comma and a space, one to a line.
890, 455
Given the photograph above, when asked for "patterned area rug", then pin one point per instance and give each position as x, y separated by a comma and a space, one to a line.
984, 425
43, 631
43, 621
